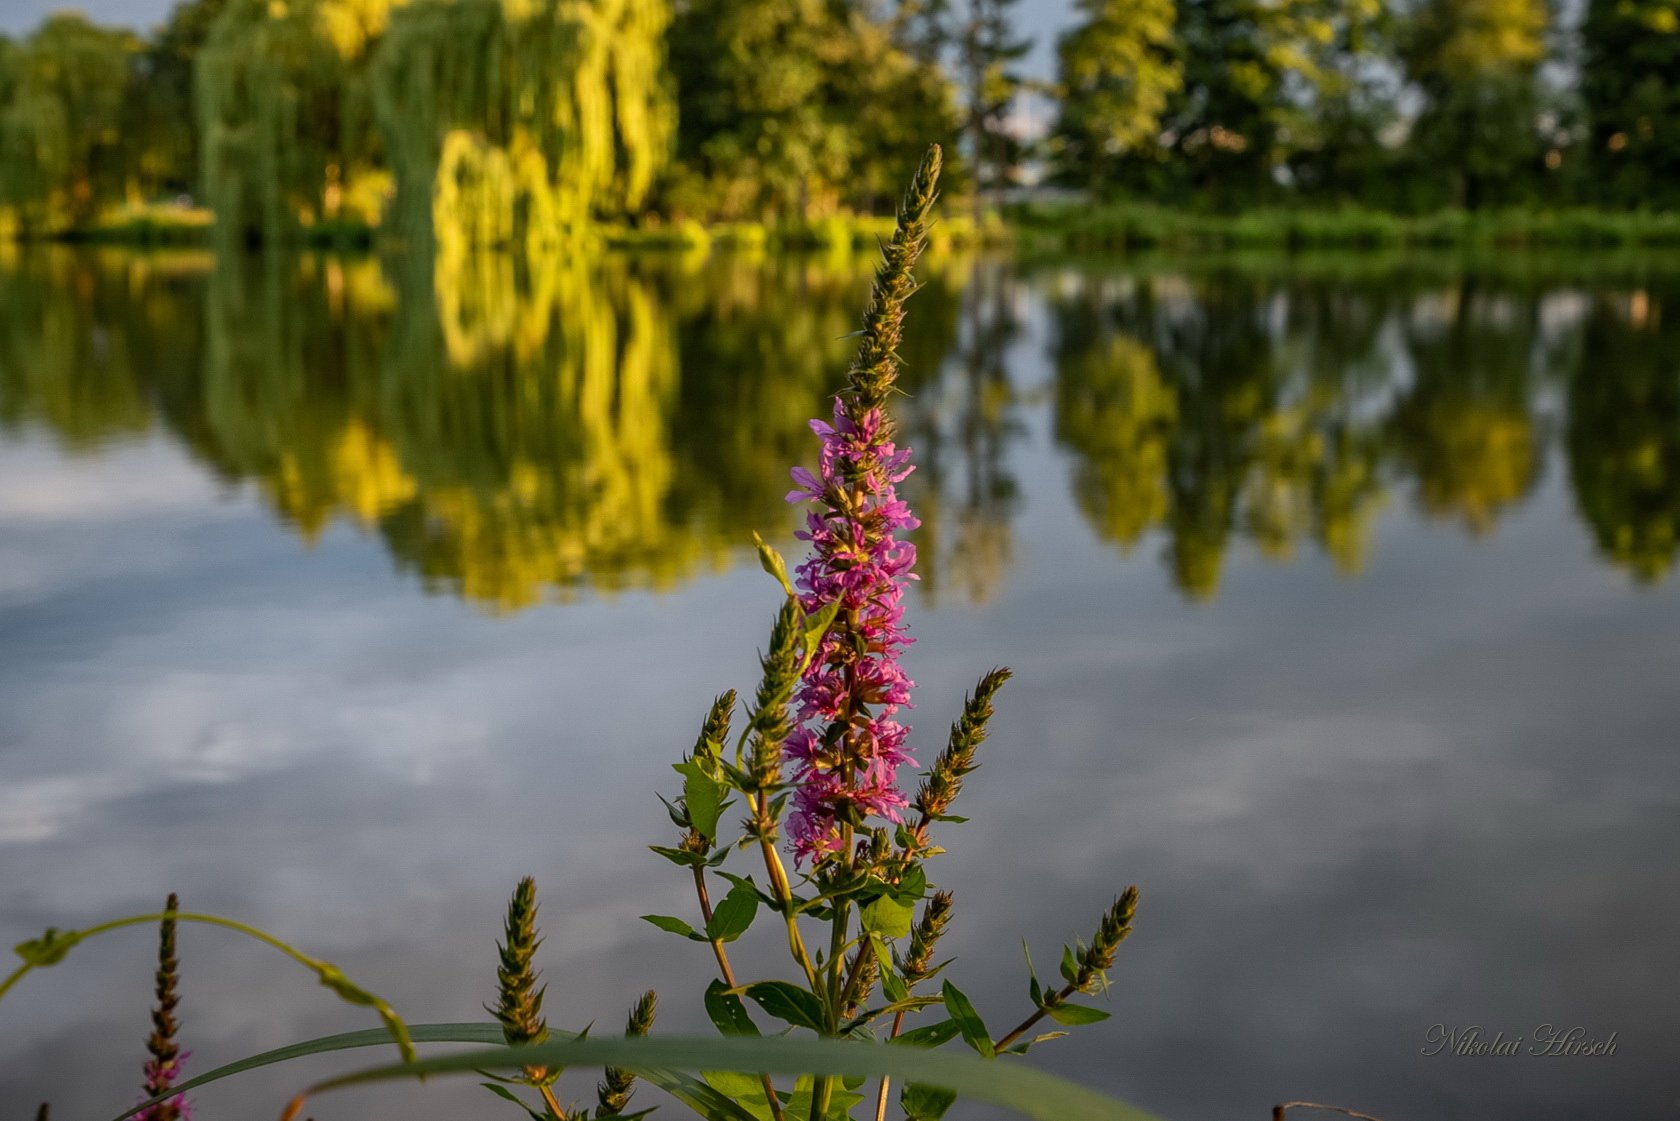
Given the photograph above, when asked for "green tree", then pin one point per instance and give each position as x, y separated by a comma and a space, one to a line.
286, 129
520, 122
163, 132
898, 102
1336, 148
990, 54
1630, 84
755, 133
1250, 66
1117, 70
61, 153
1476, 63
796, 108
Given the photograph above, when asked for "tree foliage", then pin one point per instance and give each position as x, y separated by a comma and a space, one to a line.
795, 108
1476, 63
286, 126
519, 120
62, 155
1630, 83
1117, 70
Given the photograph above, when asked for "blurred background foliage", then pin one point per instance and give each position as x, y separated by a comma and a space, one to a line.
496, 122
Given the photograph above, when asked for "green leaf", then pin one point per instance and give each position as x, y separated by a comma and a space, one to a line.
727, 1011
49, 949
1022, 1047
745, 1090
704, 796
869, 1016
911, 886
1075, 1014
734, 915
773, 564
679, 856
840, 1101
930, 1035
1034, 989
892, 984
815, 627
788, 1003
1070, 966
1031, 1093
969, 1023
675, 926
925, 1103
888, 917
504, 1092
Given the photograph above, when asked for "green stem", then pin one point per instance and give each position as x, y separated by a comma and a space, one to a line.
784, 898
14, 978
722, 956
329, 974
1026, 1025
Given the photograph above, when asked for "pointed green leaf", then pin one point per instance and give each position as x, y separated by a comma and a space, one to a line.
734, 915
888, 917
704, 797
1075, 1014
930, 1035
679, 856
745, 1090
773, 564
504, 1092
727, 1011
925, 1103
969, 1023
788, 1003
1070, 966
675, 926
840, 1102
815, 627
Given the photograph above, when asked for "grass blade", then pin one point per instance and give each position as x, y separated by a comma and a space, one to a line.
1031, 1093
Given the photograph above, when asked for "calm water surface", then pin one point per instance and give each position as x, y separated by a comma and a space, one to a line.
338, 594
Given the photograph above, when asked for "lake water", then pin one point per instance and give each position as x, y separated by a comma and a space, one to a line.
338, 594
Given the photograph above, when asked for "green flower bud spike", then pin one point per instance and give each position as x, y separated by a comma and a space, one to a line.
614, 1090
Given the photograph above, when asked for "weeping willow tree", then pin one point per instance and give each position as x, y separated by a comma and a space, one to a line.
62, 94
518, 121
286, 128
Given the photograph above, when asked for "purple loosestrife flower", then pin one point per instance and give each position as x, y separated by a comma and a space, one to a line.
848, 747
854, 685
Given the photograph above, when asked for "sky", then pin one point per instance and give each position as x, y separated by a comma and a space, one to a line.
1041, 19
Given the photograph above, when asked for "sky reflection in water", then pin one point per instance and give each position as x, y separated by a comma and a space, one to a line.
1339, 596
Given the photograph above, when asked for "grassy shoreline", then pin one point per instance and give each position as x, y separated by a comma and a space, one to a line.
1035, 228
1126, 227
